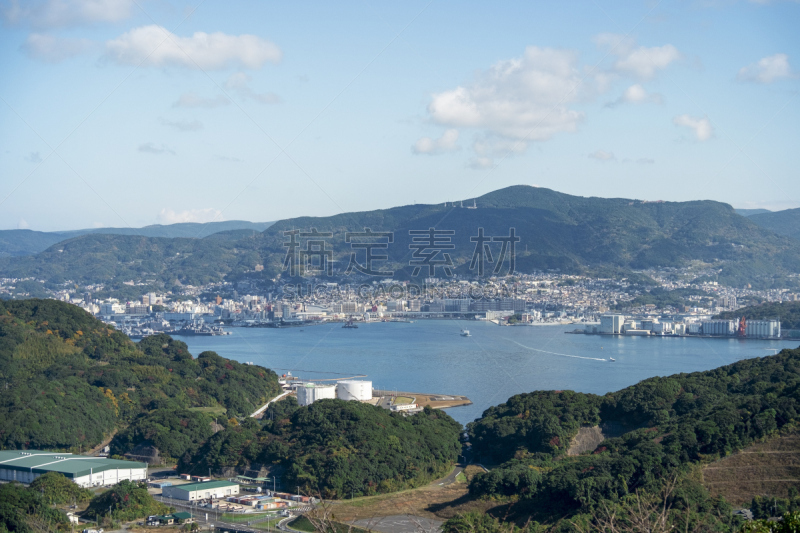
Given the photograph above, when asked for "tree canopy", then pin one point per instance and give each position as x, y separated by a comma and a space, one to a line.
57, 360
668, 424
337, 448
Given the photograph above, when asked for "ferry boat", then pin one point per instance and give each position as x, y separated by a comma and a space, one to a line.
465, 333
612, 359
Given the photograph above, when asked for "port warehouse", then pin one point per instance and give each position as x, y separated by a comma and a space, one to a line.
25, 466
201, 491
623, 325
229, 491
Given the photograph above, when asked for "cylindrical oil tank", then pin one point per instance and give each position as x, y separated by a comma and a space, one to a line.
354, 389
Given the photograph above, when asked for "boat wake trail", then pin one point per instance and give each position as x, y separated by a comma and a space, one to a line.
560, 354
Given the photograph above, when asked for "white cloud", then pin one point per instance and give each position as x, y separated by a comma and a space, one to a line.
701, 126
98, 225
640, 62
494, 146
481, 163
644, 62
183, 124
445, 143
636, 94
767, 70
602, 155
51, 49
239, 82
65, 13
616, 44
524, 98
194, 100
23, 224
168, 216
151, 148
34, 157
155, 46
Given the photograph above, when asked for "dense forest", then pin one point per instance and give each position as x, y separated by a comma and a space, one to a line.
337, 448
788, 312
667, 426
69, 380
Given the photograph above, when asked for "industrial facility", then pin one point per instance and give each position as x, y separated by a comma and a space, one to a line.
354, 389
646, 326
309, 393
26, 465
201, 491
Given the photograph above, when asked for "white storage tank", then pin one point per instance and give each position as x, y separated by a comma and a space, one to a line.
354, 389
311, 392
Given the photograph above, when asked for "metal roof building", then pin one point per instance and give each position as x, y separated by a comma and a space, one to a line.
26, 465
201, 491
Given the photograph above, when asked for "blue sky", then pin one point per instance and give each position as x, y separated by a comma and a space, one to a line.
128, 113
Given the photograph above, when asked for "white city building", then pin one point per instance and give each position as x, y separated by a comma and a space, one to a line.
201, 491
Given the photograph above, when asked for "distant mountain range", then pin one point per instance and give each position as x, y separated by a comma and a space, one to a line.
751, 212
556, 231
785, 222
17, 242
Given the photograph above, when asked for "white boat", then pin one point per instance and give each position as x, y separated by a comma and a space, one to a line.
465, 333
612, 359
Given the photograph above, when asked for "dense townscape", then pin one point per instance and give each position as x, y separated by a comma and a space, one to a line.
672, 295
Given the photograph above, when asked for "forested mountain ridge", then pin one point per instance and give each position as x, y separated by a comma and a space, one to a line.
69, 380
671, 424
556, 231
335, 448
785, 222
21, 242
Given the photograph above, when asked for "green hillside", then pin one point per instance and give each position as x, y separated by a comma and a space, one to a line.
113, 259
785, 222
19, 242
667, 425
556, 231
338, 449
68, 381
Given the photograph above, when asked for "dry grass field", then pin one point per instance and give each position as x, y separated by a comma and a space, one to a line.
764, 469
431, 501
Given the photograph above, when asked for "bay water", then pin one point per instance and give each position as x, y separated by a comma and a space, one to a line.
494, 363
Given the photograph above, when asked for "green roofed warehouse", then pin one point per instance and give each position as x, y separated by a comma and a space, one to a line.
201, 491
26, 465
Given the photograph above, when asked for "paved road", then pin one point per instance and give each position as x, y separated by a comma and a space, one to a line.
451, 477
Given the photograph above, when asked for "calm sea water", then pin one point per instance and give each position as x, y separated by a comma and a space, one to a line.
493, 364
